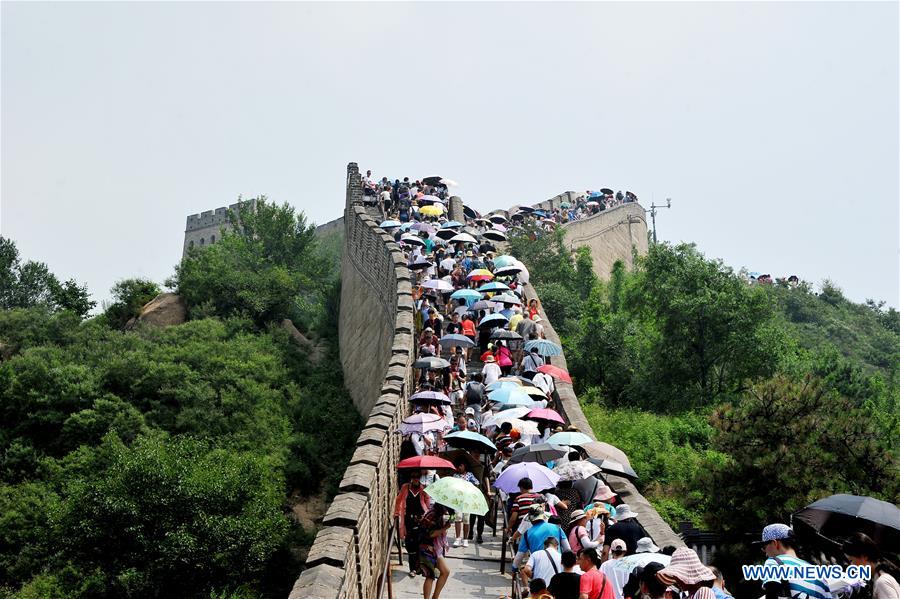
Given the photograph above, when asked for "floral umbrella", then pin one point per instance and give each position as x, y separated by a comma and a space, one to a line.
459, 495
577, 470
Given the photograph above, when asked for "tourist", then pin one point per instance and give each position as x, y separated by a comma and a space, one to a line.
780, 547
462, 520
625, 528
691, 577
532, 362
533, 539
523, 501
534, 308
475, 395
504, 358
433, 322
579, 538
409, 507
565, 585
537, 589
861, 550
592, 584
545, 563
432, 549
719, 583
491, 372
651, 586
617, 577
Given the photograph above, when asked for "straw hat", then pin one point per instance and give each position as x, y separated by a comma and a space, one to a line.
685, 568
577, 515
489, 360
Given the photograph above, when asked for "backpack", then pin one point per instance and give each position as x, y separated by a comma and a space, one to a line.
474, 393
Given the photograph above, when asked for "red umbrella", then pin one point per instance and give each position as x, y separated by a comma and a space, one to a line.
425, 461
556, 372
545, 414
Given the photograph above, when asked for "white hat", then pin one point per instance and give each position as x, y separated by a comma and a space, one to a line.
618, 545
645, 545
623, 512
470, 410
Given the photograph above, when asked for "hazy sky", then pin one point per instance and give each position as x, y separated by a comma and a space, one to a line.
772, 126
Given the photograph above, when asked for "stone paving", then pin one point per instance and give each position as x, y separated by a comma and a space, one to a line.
474, 572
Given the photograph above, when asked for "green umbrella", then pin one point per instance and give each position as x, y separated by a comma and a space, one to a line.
459, 495
562, 205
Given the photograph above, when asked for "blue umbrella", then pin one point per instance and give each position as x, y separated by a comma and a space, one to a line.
466, 294
509, 395
569, 438
493, 320
456, 341
544, 347
494, 286
390, 224
502, 385
540, 213
470, 440
452, 224
519, 403
506, 298
405, 226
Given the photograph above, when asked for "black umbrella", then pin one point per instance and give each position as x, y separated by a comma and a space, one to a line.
431, 363
518, 216
614, 468
504, 334
433, 181
528, 209
839, 516
507, 271
607, 191
455, 455
420, 265
495, 235
469, 212
541, 453
446, 234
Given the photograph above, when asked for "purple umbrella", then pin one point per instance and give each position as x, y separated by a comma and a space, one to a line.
429, 397
541, 477
422, 423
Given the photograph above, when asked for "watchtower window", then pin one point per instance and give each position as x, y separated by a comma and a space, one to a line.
212, 239
191, 244
202, 241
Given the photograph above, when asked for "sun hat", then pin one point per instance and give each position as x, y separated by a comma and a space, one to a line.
470, 410
489, 360
603, 493
645, 545
623, 512
429, 330
576, 515
536, 512
685, 568
618, 545
775, 532
537, 318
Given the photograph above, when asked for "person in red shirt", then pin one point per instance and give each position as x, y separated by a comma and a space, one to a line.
593, 584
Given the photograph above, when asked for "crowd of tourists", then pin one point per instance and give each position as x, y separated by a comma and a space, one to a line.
487, 442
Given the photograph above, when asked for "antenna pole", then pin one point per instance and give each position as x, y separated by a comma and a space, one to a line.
653, 208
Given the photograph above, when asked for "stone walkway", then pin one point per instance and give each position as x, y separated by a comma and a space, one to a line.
474, 572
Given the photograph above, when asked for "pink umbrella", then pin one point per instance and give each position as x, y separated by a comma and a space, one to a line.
545, 414
422, 423
499, 227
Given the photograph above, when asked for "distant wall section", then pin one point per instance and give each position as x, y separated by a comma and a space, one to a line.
206, 228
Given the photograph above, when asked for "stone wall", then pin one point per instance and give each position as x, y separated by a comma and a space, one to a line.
206, 228
348, 555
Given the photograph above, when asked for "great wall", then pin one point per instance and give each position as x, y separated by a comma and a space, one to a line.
350, 554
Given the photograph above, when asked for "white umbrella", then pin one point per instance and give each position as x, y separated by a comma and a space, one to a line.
510, 415
449, 182
438, 284
463, 238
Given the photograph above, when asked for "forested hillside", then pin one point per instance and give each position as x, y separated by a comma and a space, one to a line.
139, 461
716, 388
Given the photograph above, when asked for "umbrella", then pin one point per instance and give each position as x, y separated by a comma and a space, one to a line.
431, 363
606, 191
471, 441
494, 235
615, 468
445, 234
577, 470
524, 275
459, 495
569, 438
545, 414
390, 224
437, 284
432, 210
465, 294
504, 260
493, 320
421, 265
508, 395
504, 334
480, 274
503, 385
425, 461
463, 238
544, 347
452, 224
518, 402
469, 212
506, 298
506, 271
456, 341
518, 216
449, 183
504, 416
498, 227
541, 477
430, 200
497, 218
413, 240
492, 286
556, 372
527, 209
422, 423
592, 203
541, 452
484, 305
457, 455
429, 397
525, 427
839, 516
565, 205
534, 392
423, 227
607, 451
434, 181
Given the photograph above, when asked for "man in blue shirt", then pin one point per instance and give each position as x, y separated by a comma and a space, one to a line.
781, 550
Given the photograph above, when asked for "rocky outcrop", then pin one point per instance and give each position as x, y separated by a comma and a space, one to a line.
164, 310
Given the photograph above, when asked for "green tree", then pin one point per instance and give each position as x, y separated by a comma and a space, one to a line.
129, 296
